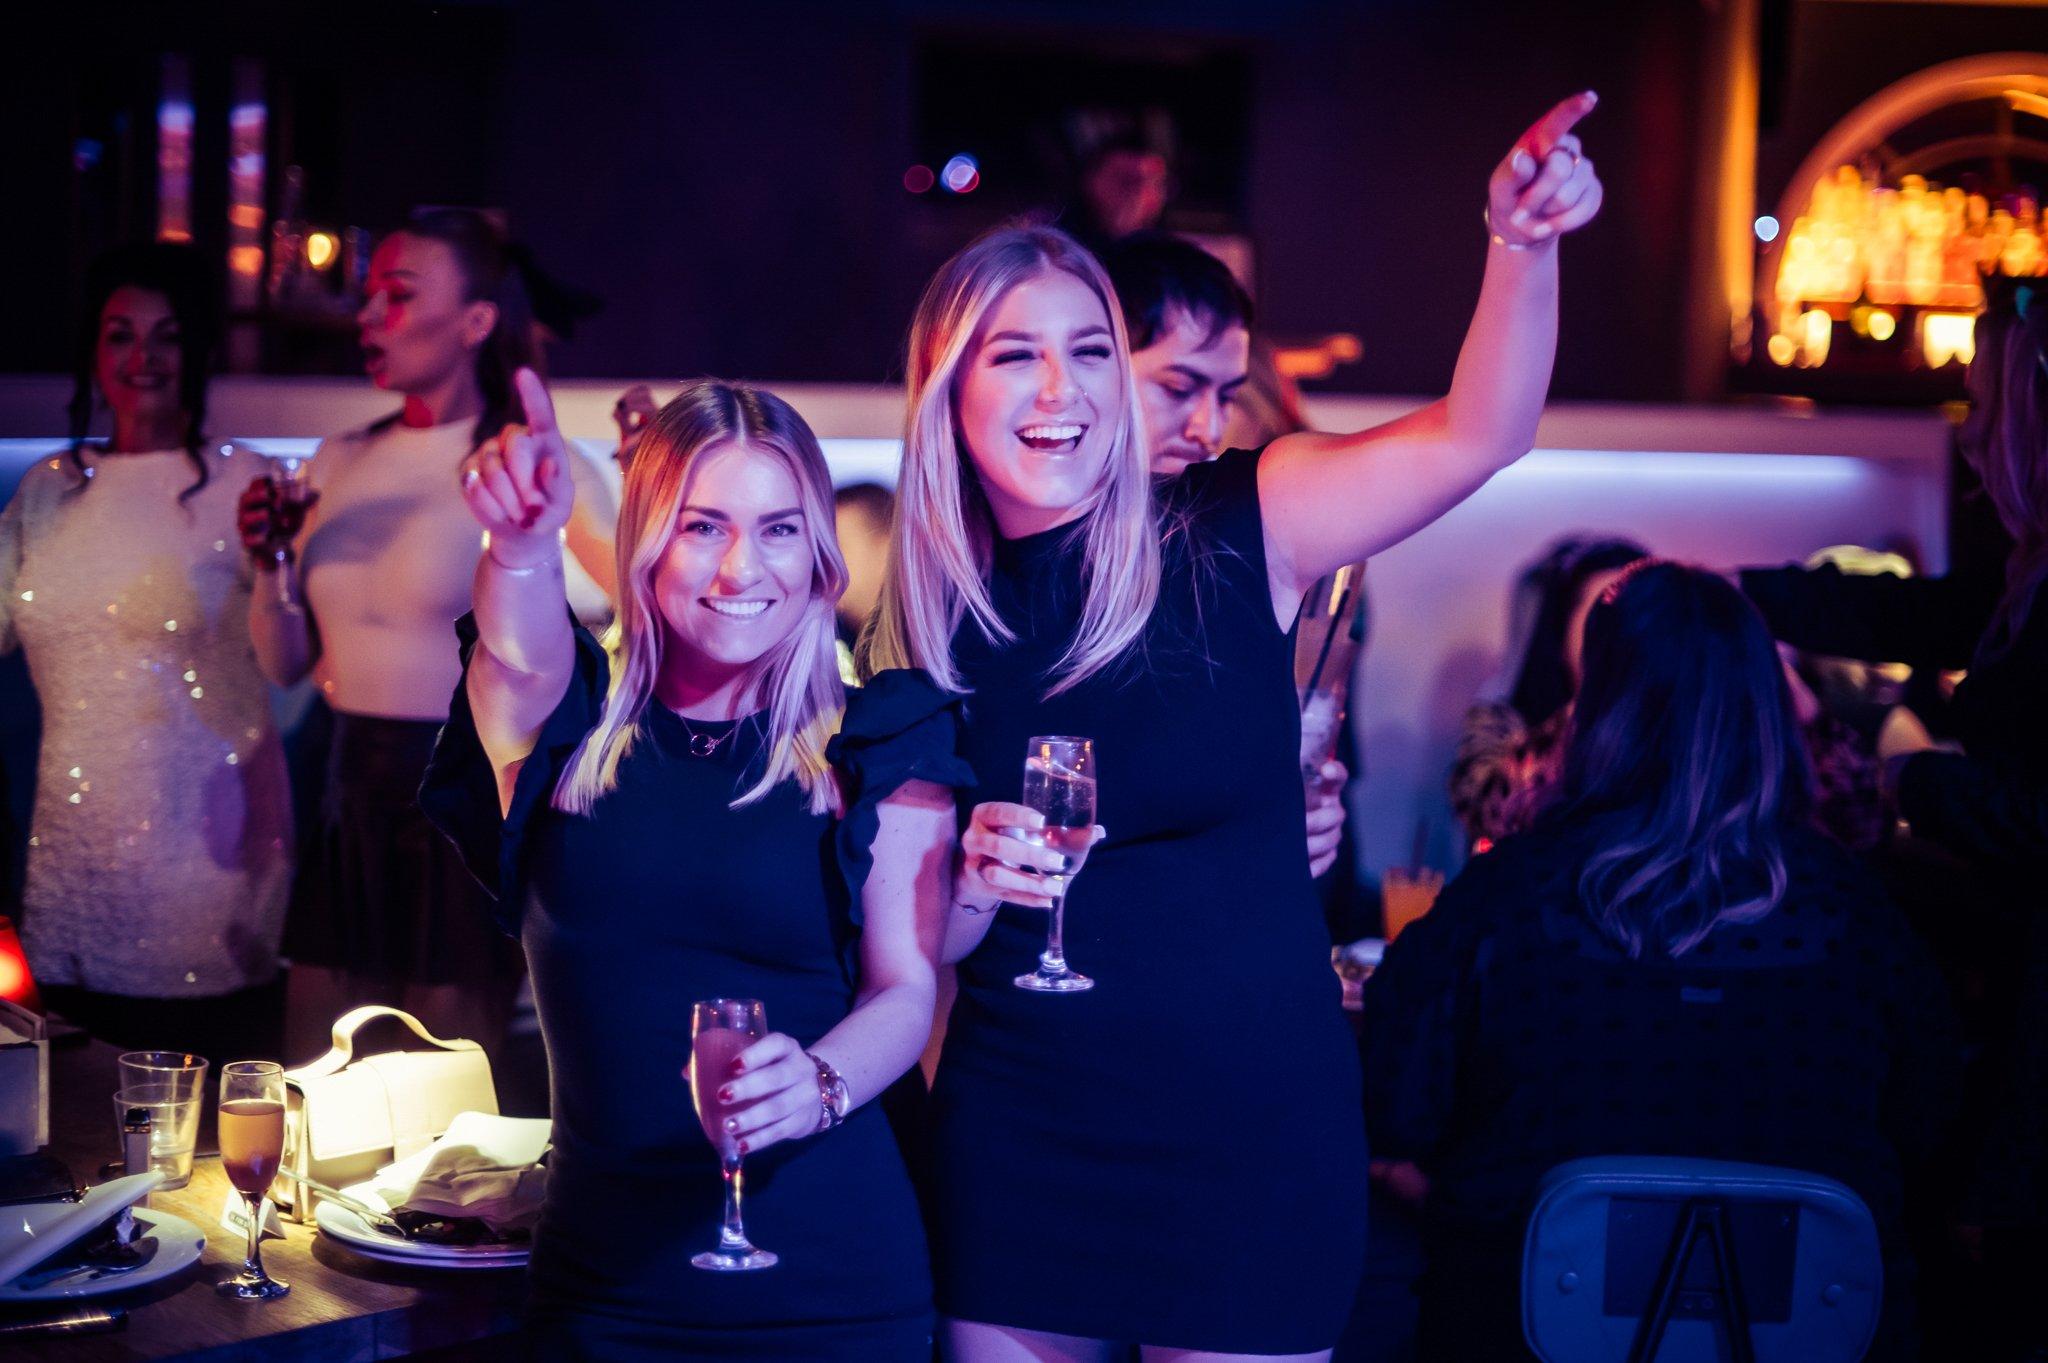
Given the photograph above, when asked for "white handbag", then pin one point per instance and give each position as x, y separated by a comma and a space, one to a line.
346, 1118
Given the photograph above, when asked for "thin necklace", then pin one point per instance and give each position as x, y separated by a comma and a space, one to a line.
703, 745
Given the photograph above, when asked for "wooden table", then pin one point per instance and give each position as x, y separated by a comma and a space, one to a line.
343, 1307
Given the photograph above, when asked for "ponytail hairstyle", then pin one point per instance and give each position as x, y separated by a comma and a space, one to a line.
797, 680
944, 534
501, 272
1684, 760
175, 271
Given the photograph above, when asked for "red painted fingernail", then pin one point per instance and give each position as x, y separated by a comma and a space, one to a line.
744, 1147
738, 1064
725, 1094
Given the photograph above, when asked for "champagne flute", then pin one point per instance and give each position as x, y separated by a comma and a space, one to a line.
251, 1131
1059, 782
719, 1030
293, 493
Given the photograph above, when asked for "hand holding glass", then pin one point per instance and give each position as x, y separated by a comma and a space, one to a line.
1059, 782
719, 1030
251, 1148
294, 498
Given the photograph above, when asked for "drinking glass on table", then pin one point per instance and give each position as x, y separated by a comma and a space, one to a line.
719, 1030
1406, 896
172, 1085
173, 1127
1059, 782
251, 1130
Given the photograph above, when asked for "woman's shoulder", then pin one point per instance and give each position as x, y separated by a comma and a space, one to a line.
1543, 862
894, 699
43, 480
1216, 486
901, 725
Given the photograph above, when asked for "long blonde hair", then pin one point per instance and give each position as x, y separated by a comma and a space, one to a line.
943, 540
799, 677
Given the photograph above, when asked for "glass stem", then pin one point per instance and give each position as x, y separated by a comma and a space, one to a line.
286, 597
252, 1263
1053, 960
732, 1233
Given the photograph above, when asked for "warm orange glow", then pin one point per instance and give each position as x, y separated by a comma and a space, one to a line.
1782, 349
16, 985
1947, 337
1881, 325
320, 249
246, 260
1919, 244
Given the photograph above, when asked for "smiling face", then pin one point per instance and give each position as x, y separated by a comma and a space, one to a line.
737, 576
136, 360
1038, 400
416, 329
1187, 384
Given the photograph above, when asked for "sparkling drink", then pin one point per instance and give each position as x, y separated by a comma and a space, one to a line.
1059, 783
719, 1030
1328, 636
251, 1142
711, 1057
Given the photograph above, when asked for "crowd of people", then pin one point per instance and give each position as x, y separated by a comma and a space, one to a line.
786, 767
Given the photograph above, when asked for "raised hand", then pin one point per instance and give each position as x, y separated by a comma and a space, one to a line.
517, 483
1545, 187
773, 1087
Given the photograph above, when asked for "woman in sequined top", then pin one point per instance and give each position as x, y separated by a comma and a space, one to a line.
160, 845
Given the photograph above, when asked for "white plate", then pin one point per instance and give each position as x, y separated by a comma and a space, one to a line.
516, 1259
345, 1226
178, 1243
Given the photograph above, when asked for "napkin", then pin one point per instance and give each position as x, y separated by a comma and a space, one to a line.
23, 1246
484, 1166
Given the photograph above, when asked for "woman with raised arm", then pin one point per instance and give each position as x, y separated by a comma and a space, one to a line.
375, 567
669, 817
1174, 1157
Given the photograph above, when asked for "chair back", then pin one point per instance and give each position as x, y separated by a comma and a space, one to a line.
1642, 1259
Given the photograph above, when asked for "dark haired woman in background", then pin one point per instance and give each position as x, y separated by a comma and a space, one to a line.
1508, 750
1742, 988
160, 846
380, 570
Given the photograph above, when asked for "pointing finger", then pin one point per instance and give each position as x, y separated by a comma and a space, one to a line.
533, 396
1545, 131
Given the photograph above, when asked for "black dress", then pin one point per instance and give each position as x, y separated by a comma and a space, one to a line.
1177, 1156
1504, 1037
660, 896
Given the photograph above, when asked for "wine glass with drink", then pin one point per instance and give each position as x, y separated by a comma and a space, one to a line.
251, 1131
719, 1030
294, 499
1059, 782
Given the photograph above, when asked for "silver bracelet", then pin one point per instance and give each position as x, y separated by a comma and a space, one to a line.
527, 571
835, 1101
553, 561
1493, 235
